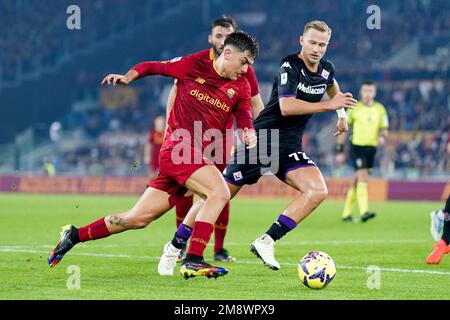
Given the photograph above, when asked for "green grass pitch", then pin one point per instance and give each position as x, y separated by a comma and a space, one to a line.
124, 266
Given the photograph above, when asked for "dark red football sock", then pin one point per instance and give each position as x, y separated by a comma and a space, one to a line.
93, 231
200, 238
182, 208
220, 228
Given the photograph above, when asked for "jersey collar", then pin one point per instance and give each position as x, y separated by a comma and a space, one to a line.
368, 105
211, 54
215, 68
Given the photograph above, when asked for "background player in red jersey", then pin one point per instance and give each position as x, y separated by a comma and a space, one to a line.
219, 31
208, 93
153, 145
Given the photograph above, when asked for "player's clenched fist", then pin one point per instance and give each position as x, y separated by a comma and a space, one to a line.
115, 78
342, 100
249, 138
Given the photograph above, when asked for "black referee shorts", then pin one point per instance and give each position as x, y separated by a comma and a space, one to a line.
362, 157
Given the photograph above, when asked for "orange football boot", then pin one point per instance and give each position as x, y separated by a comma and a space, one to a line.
441, 249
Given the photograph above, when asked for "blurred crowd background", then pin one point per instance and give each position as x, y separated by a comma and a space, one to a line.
55, 118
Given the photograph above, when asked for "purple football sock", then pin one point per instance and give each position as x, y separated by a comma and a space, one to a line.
182, 236
288, 222
283, 225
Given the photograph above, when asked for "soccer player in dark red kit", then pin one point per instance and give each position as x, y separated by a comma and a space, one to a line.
208, 93
219, 31
153, 145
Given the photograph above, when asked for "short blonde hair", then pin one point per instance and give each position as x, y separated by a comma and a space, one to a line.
317, 25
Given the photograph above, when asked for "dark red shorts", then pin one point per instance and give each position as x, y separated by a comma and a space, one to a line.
172, 176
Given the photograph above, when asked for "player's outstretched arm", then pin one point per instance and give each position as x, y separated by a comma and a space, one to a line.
175, 68
126, 79
291, 106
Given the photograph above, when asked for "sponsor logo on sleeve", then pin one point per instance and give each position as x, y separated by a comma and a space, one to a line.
283, 79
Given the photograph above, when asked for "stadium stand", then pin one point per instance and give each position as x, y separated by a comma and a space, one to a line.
111, 124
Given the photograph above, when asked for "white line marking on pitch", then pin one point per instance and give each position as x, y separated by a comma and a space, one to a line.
286, 243
107, 255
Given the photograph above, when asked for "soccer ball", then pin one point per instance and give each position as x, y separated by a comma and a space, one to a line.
316, 270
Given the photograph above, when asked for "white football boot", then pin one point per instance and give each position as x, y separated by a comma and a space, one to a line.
168, 259
437, 223
263, 248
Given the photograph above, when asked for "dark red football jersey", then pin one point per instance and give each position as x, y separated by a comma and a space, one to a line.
205, 100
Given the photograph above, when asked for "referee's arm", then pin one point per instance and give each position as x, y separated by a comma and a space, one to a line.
383, 127
383, 136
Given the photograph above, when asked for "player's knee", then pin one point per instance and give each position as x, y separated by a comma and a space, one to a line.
199, 203
318, 195
219, 195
